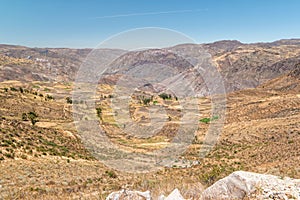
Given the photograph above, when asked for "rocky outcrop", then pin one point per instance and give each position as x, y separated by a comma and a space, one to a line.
238, 185
247, 185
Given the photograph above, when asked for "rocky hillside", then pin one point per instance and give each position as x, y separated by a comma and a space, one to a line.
39, 64
241, 65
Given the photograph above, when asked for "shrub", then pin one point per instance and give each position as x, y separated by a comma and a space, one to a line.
9, 155
207, 120
49, 97
32, 116
146, 101
13, 89
99, 112
165, 96
111, 174
24, 117
212, 175
6, 89
69, 100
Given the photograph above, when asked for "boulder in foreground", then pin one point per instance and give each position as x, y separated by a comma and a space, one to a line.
248, 185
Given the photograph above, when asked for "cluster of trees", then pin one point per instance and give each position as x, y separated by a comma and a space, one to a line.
165, 96
21, 90
147, 100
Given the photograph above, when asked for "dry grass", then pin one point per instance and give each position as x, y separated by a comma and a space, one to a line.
261, 134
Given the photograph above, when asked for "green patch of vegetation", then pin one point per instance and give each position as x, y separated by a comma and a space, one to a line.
207, 120
50, 143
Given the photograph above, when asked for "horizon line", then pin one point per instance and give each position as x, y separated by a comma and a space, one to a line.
208, 42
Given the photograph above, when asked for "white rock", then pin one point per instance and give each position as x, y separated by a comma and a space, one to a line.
129, 195
161, 197
175, 195
239, 185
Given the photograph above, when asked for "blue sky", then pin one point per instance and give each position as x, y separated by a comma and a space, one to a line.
85, 23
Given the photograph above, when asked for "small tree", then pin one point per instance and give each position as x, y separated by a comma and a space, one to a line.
146, 101
24, 117
13, 89
165, 96
49, 97
99, 112
32, 116
69, 100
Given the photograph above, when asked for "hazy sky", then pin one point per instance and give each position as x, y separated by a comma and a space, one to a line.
85, 23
